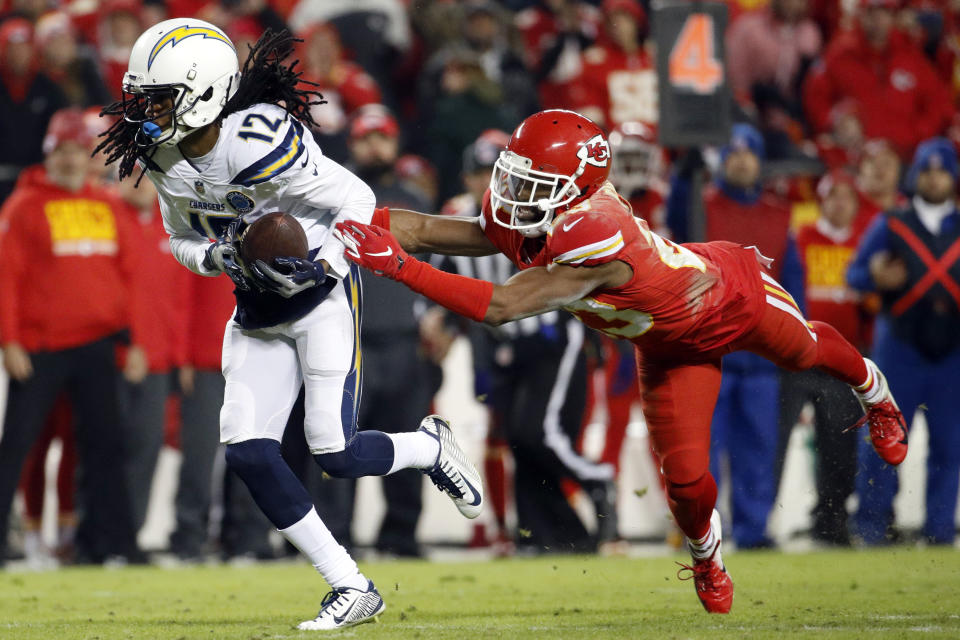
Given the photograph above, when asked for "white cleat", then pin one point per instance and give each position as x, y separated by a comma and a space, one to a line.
346, 607
453, 473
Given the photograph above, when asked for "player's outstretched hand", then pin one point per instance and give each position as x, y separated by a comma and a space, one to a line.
288, 276
223, 255
372, 247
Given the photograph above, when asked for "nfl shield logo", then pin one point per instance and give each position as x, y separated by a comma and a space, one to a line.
199, 187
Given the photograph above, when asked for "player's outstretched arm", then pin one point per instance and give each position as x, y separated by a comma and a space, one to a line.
448, 235
541, 289
528, 293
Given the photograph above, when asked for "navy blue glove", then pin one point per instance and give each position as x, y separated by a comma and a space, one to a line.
223, 255
288, 276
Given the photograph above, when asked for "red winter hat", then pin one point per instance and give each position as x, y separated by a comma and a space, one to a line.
893, 5
412, 166
632, 7
373, 118
66, 125
832, 179
14, 30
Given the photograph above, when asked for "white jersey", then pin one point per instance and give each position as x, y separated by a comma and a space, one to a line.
265, 160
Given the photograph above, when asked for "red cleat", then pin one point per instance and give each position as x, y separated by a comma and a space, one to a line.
888, 429
713, 583
710, 577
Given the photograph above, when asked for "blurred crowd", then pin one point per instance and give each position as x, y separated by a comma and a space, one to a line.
841, 167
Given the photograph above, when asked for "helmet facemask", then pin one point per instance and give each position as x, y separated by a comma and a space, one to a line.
138, 104
529, 196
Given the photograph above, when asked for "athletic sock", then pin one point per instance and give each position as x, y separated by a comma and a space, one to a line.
326, 555
871, 391
704, 547
413, 449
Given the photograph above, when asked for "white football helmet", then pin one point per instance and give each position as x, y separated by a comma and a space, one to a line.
188, 60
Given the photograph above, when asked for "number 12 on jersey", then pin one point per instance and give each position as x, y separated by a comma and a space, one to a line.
249, 130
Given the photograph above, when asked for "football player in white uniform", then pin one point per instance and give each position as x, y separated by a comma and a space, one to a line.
223, 145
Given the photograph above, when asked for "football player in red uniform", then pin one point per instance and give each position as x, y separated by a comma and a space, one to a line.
551, 210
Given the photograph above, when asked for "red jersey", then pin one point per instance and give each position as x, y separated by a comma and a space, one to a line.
683, 299
69, 265
899, 95
623, 85
826, 253
164, 321
210, 305
764, 224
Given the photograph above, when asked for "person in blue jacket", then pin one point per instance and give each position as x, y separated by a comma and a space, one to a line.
911, 257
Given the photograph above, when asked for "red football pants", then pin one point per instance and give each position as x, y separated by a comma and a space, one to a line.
679, 398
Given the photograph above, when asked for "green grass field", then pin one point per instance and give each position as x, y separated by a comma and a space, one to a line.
892, 593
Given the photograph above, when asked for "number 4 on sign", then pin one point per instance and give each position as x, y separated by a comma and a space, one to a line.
693, 59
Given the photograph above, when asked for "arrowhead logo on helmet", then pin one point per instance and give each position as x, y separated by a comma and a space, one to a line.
180, 34
595, 151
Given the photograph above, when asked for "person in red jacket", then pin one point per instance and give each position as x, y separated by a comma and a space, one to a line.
898, 92
826, 249
209, 303
619, 82
345, 85
68, 261
143, 401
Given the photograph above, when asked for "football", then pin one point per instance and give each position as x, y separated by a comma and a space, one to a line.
274, 235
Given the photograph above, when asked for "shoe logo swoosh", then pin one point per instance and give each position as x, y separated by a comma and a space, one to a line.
382, 253
567, 227
476, 494
340, 619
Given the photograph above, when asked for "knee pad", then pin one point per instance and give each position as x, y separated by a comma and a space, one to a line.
338, 465
248, 456
684, 466
274, 487
369, 453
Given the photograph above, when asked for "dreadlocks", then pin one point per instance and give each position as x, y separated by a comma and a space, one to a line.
265, 78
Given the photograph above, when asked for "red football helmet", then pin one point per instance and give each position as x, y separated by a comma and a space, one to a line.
638, 161
555, 159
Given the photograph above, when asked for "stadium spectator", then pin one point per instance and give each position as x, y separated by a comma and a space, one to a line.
59, 326
209, 306
119, 24
464, 104
898, 93
768, 54
555, 35
345, 85
843, 145
878, 179
63, 60
33, 485
27, 100
379, 31
417, 173
826, 249
911, 257
143, 400
619, 82
639, 172
399, 381
745, 418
